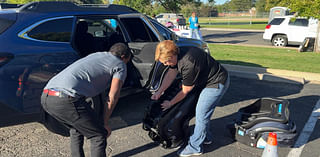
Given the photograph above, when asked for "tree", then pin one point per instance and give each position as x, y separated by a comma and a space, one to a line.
175, 5
171, 5
306, 8
261, 6
76, 1
205, 10
143, 6
240, 5
272, 3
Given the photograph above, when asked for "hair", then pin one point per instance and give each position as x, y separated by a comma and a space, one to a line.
166, 49
120, 49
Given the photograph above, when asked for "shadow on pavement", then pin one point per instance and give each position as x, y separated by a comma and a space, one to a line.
245, 89
240, 91
7, 117
130, 110
227, 42
300, 110
239, 63
137, 150
232, 34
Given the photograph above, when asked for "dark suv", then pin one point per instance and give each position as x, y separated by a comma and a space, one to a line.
40, 39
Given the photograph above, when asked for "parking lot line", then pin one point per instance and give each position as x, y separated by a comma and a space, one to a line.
306, 132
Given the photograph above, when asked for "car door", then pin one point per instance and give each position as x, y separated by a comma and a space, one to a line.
298, 29
142, 40
48, 51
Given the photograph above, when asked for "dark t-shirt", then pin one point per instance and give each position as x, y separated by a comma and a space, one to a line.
200, 69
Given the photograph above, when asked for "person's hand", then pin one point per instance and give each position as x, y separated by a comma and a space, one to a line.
156, 96
106, 126
165, 105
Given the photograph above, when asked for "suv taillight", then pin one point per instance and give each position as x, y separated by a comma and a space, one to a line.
5, 58
268, 26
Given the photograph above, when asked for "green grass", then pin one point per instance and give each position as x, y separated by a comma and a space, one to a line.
275, 58
248, 26
238, 22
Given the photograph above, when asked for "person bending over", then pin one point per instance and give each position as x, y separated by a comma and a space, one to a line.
199, 71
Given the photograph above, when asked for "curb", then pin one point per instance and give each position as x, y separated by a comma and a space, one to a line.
273, 75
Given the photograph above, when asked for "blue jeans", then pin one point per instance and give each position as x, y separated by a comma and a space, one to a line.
195, 33
209, 98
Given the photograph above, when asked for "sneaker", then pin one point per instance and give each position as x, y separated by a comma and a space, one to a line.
207, 142
178, 146
187, 152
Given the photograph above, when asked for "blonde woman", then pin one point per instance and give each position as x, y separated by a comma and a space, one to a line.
199, 71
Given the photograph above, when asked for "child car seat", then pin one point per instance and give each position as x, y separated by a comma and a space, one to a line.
169, 127
265, 109
265, 115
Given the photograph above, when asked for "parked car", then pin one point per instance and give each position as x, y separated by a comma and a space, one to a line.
176, 19
285, 30
40, 39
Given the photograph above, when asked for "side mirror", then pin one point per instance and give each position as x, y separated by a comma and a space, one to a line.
174, 36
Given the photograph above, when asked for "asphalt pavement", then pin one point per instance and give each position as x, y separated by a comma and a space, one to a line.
129, 139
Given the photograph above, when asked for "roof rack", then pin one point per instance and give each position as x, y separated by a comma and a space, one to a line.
58, 6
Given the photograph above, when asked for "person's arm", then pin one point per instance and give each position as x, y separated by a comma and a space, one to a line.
180, 96
113, 97
196, 23
189, 76
167, 80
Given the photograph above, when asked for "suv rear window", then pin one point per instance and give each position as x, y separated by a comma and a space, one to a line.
276, 21
5, 24
54, 30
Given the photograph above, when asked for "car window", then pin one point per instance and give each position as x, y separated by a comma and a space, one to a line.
95, 34
276, 21
163, 31
138, 30
54, 30
299, 22
101, 27
159, 16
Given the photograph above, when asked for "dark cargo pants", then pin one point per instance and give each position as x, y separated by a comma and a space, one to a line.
78, 115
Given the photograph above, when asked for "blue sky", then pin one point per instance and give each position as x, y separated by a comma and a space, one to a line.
217, 1
220, 1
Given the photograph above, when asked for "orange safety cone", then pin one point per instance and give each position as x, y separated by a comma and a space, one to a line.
271, 149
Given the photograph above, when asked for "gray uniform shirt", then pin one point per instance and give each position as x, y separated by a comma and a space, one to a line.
89, 76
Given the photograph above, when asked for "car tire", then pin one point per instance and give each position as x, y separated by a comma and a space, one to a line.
280, 41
